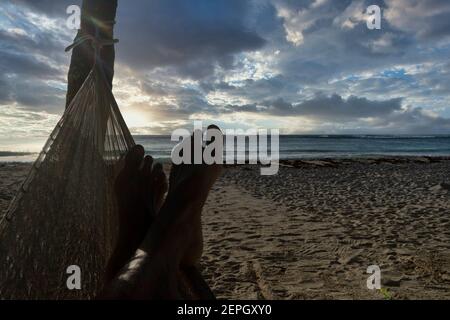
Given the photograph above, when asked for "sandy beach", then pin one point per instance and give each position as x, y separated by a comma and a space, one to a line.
311, 231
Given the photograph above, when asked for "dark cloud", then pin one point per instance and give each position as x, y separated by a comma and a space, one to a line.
190, 36
13, 62
49, 7
412, 121
5, 90
32, 41
33, 63
256, 90
363, 114
31, 93
24, 80
39, 96
425, 19
184, 101
335, 107
326, 108
154, 89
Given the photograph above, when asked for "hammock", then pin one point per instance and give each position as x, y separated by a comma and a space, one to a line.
65, 211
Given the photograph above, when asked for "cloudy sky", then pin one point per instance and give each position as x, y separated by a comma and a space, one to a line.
298, 65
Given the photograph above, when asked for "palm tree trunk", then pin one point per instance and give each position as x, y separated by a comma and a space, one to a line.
94, 14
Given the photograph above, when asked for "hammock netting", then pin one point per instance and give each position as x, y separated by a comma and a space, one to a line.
65, 212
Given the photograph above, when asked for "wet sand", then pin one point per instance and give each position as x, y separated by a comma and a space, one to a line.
311, 231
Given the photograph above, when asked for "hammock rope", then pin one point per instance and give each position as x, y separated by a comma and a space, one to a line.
65, 212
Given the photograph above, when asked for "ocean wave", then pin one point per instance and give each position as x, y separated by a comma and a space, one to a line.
15, 154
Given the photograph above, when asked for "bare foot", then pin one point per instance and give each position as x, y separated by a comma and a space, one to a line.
190, 185
174, 240
140, 188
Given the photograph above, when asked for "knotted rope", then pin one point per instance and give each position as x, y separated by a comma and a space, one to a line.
97, 44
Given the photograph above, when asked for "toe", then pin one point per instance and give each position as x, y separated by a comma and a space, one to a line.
159, 177
147, 166
213, 127
159, 186
134, 158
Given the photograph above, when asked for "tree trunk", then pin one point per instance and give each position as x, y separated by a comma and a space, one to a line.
94, 14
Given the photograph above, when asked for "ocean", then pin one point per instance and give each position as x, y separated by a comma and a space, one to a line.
305, 146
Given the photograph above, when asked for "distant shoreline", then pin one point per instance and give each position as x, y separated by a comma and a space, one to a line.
327, 161
15, 154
